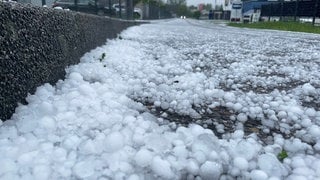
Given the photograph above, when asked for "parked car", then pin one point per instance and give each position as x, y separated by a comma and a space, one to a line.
137, 12
98, 7
117, 7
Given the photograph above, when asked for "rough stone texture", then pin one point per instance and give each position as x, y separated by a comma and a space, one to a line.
36, 44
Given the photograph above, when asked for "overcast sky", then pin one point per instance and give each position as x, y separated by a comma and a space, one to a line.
196, 2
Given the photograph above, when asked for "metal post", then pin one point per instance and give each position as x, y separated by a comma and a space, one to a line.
315, 11
96, 6
120, 9
147, 11
159, 9
281, 10
129, 9
76, 4
110, 8
269, 11
44, 2
296, 10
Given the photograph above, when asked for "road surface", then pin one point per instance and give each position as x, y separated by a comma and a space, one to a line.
176, 99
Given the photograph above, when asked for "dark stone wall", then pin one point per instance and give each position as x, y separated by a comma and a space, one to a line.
37, 44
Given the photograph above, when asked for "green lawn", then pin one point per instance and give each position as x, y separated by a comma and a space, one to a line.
285, 26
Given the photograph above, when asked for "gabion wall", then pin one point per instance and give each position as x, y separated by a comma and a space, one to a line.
37, 44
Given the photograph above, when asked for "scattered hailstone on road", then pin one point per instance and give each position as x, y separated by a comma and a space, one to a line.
162, 168
308, 89
242, 117
314, 131
58, 8
84, 169
241, 163
271, 165
94, 125
210, 170
143, 158
114, 142
258, 175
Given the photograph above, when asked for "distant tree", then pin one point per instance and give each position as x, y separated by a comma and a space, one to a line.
196, 14
178, 7
149, 1
192, 7
177, 2
219, 7
183, 10
157, 9
135, 2
207, 7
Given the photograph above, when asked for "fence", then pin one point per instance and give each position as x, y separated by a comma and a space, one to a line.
298, 8
220, 15
154, 11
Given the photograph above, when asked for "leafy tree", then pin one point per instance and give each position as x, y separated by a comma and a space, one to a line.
178, 7
154, 2
196, 14
135, 2
177, 2
183, 10
207, 7
192, 7
219, 7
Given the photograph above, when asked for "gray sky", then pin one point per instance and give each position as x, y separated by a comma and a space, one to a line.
196, 2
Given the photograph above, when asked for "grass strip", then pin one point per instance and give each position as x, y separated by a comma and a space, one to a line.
285, 26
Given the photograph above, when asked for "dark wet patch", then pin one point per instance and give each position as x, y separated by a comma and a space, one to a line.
266, 74
211, 118
251, 86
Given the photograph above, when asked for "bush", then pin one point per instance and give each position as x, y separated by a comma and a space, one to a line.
196, 14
